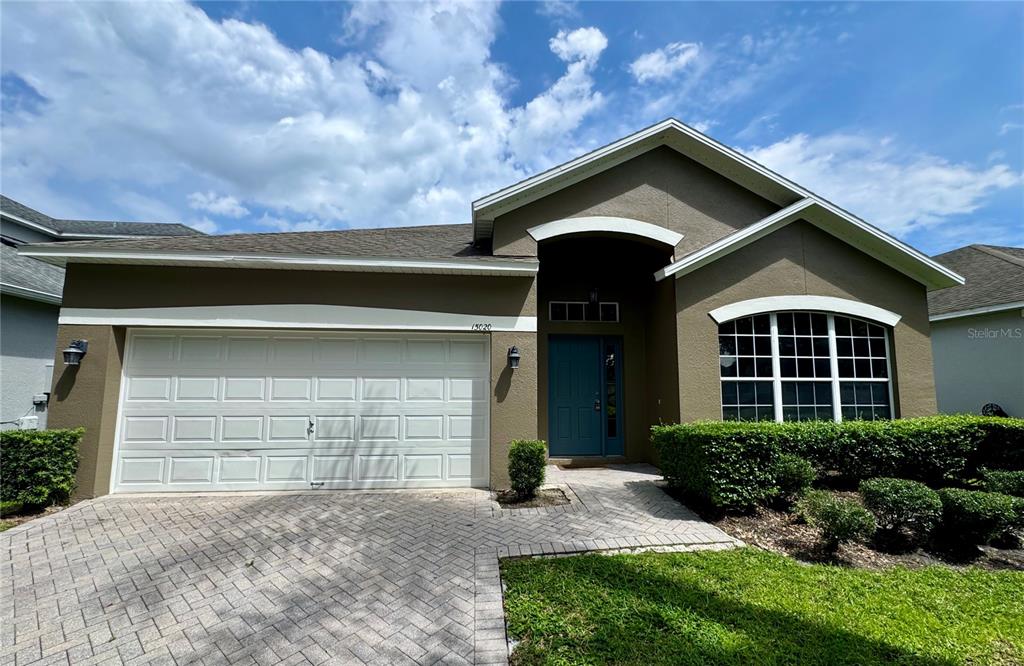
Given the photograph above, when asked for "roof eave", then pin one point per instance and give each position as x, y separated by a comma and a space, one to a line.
58, 256
38, 295
839, 223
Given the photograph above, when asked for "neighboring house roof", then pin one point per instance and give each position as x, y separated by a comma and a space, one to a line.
27, 278
995, 282
60, 228
440, 248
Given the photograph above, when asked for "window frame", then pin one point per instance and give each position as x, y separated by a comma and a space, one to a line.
835, 381
584, 304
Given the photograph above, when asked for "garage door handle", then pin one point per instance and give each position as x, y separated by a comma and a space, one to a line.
309, 429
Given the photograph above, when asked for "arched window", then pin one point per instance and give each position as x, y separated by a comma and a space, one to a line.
799, 366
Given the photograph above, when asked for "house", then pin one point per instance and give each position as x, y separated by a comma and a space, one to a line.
978, 331
663, 277
30, 297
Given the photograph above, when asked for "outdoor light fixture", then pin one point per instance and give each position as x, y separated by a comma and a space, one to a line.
594, 298
513, 357
75, 351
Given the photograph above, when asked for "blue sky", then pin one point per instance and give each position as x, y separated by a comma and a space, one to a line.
292, 116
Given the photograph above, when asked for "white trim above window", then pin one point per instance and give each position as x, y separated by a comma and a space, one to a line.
614, 225
845, 306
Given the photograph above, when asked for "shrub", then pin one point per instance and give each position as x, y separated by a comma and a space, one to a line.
840, 520
900, 505
10, 508
1007, 482
726, 465
526, 460
38, 466
978, 517
811, 503
793, 476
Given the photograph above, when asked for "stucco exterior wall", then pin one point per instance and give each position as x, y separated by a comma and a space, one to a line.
978, 360
86, 396
660, 187
513, 399
799, 259
28, 333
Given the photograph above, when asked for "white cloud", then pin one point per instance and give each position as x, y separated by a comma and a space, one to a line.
580, 44
664, 63
223, 206
1009, 127
900, 190
280, 224
204, 224
157, 97
558, 9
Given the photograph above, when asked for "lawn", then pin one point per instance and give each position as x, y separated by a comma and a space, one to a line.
748, 606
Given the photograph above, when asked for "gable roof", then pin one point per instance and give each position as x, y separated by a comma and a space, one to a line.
60, 228
439, 248
794, 201
995, 281
834, 220
697, 146
28, 278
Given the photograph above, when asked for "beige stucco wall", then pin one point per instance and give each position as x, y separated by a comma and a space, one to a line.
513, 399
799, 259
86, 396
660, 187
978, 360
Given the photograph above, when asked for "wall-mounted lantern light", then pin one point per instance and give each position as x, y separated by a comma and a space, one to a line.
75, 351
513, 357
594, 297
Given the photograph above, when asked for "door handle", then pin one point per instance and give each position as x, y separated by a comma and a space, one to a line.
597, 405
309, 428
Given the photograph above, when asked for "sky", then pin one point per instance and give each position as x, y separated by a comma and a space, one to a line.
260, 116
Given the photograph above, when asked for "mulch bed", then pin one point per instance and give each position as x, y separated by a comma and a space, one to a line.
543, 497
777, 530
15, 520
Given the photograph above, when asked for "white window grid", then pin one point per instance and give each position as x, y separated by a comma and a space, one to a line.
580, 307
785, 386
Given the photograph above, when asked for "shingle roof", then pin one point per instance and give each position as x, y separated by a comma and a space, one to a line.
98, 227
995, 276
28, 273
449, 241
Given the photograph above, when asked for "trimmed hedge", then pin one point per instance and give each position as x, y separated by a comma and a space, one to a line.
900, 505
526, 460
1007, 482
840, 520
37, 467
727, 465
977, 517
793, 476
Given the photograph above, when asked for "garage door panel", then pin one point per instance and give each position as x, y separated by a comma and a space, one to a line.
232, 410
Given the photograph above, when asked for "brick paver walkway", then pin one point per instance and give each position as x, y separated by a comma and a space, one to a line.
332, 577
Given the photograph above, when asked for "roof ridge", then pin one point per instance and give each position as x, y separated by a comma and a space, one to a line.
994, 251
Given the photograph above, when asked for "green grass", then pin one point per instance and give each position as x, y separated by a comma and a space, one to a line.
747, 606
6, 525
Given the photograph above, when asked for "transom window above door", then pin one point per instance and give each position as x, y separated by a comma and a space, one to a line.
606, 311
799, 366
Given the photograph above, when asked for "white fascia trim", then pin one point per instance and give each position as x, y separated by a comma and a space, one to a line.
894, 242
297, 316
626, 142
304, 261
988, 309
755, 306
617, 225
734, 241
29, 294
32, 225
767, 225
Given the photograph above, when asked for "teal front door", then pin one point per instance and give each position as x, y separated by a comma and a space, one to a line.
584, 395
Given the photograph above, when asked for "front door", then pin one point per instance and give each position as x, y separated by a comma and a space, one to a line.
585, 395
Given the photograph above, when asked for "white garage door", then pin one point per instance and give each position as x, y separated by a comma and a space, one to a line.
282, 410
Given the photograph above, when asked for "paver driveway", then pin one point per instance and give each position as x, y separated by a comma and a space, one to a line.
342, 577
